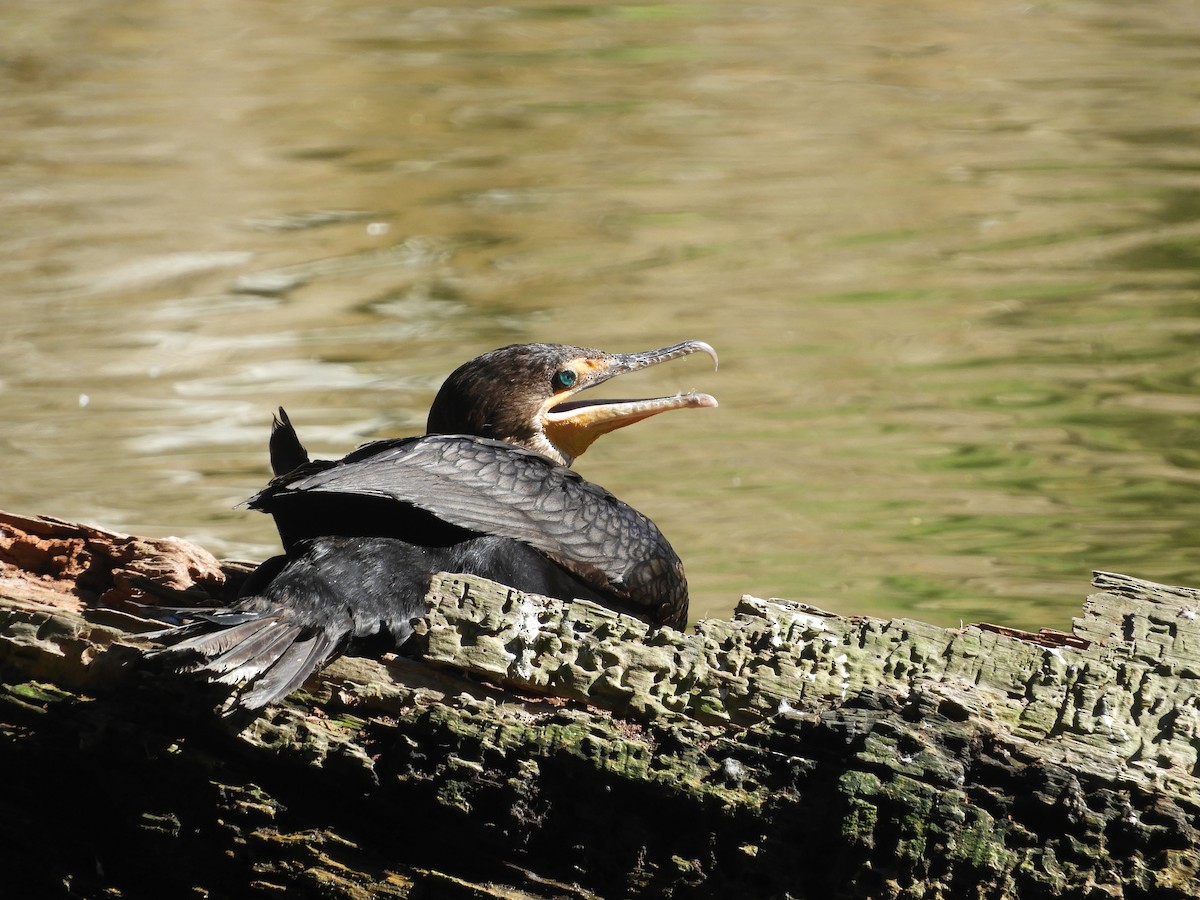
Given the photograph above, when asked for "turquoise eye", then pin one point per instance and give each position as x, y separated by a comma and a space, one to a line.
564, 379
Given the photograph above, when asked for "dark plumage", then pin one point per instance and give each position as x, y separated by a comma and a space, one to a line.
487, 491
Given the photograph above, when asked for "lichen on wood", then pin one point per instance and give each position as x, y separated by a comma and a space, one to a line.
522, 747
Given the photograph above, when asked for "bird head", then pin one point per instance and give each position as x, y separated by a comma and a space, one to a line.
527, 395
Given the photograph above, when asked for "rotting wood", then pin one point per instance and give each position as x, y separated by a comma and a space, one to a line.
535, 749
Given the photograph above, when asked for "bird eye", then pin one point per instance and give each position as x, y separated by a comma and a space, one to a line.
564, 379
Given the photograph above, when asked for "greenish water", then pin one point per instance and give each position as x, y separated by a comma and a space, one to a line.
948, 253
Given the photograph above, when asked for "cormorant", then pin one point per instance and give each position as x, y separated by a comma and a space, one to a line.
486, 491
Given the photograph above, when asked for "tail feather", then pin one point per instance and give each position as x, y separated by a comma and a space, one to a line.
298, 661
225, 618
251, 658
268, 657
212, 645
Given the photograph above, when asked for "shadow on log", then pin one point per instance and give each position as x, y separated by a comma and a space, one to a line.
527, 748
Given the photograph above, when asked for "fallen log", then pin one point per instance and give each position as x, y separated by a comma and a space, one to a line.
527, 748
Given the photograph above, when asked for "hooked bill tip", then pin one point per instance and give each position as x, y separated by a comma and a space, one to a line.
705, 348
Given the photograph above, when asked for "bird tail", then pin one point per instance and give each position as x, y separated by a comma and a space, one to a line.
301, 613
258, 650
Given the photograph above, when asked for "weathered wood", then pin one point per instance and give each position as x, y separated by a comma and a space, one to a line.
532, 748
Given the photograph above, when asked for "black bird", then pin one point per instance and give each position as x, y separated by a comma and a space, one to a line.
486, 491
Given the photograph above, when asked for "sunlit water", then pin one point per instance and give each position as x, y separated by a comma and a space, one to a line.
949, 253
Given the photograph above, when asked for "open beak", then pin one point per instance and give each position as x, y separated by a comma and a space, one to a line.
573, 424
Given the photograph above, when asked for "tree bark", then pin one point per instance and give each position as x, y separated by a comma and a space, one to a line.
523, 747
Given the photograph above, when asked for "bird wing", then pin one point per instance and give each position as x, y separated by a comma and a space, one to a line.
490, 487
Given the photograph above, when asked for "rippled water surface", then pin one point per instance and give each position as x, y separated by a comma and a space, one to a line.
949, 253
